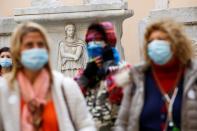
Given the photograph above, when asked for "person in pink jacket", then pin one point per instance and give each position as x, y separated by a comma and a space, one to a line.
103, 97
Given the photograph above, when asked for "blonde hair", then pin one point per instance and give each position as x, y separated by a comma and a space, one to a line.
180, 43
16, 42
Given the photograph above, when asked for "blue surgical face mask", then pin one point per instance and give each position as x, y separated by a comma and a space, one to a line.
95, 49
5, 62
34, 59
159, 51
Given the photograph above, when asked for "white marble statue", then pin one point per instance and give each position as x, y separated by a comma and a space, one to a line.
72, 52
46, 3
102, 1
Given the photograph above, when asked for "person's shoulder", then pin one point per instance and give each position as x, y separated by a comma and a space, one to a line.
80, 41
60, 77
61, 42
193, 62
57, 73
3, 83
2, 80
192, 65
140, 67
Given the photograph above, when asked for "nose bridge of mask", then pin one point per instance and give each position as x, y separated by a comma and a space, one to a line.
32, 52
161, 43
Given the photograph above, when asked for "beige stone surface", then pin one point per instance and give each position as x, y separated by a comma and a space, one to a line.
130, 39
182, 3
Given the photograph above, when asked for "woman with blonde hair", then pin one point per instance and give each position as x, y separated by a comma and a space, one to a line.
32, 96
161, 94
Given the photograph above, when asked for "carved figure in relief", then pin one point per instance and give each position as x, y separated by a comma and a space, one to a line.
72, 52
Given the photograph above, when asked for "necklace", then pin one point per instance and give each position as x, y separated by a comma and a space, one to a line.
169, 101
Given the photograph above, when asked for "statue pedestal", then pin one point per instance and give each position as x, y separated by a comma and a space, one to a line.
54, 20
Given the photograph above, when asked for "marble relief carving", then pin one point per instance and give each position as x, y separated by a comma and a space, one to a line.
72, 52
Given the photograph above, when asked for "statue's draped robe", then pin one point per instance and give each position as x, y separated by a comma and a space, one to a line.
67, 65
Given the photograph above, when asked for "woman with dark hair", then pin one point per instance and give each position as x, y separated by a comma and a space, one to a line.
102, 96
5, 60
